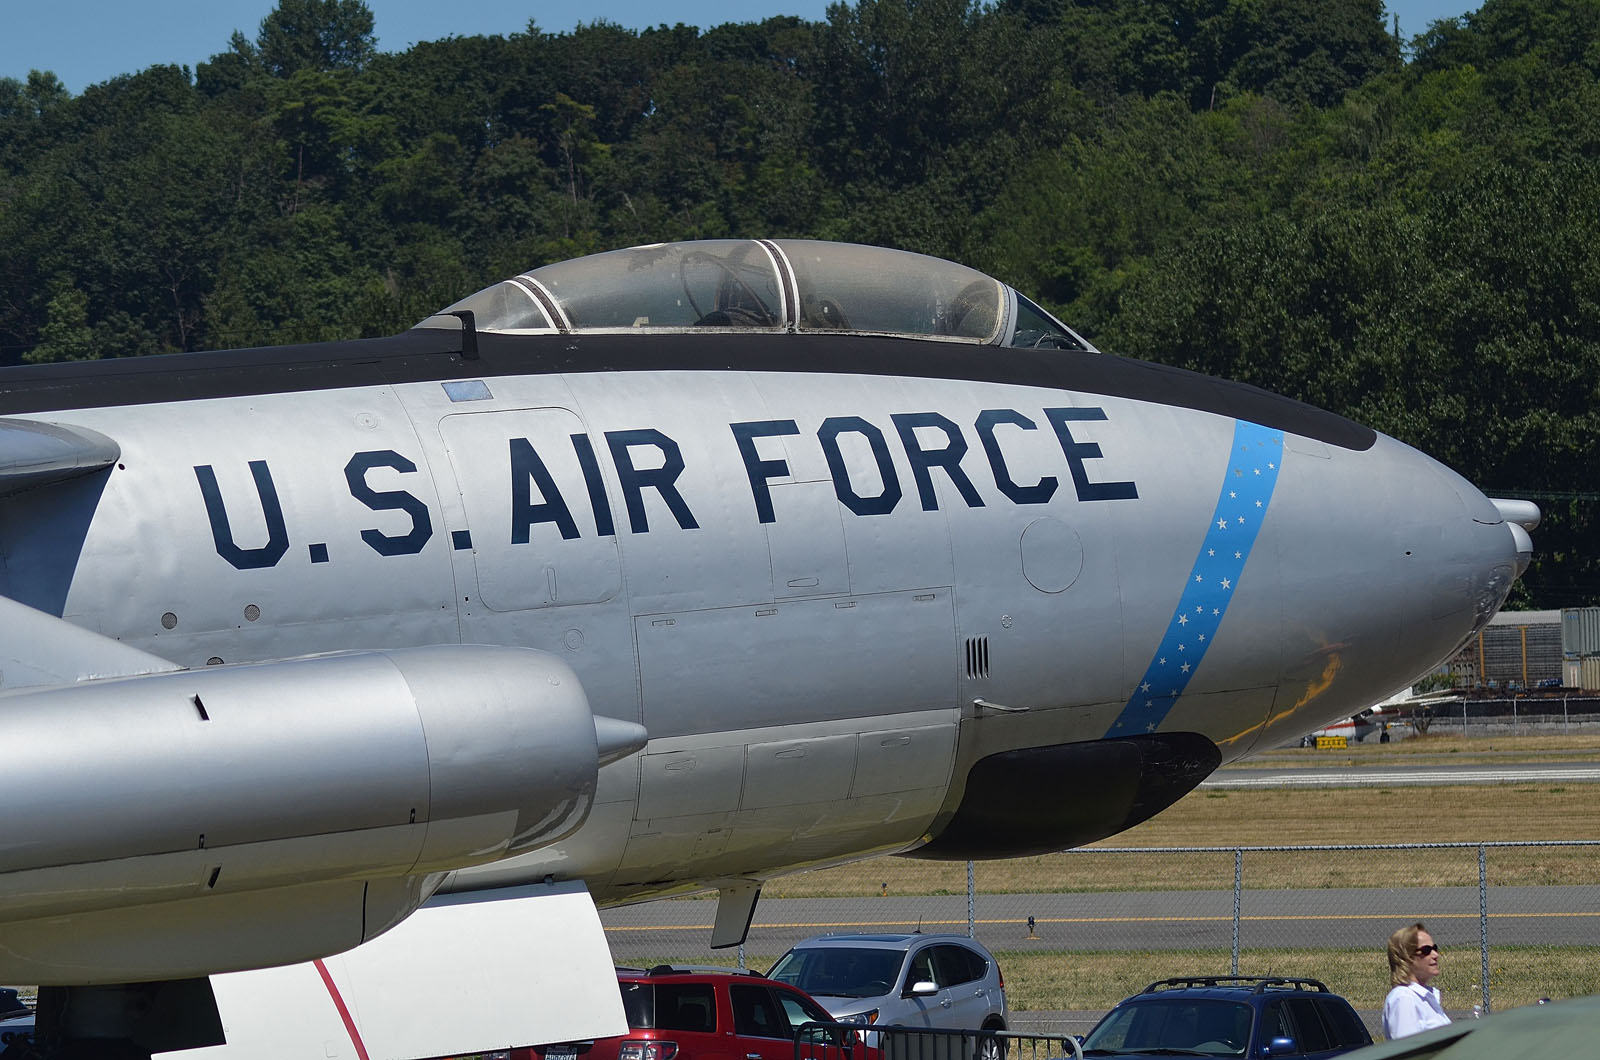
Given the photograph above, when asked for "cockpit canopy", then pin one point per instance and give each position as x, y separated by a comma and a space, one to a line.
786, 285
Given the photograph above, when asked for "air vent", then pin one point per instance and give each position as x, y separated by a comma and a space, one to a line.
977, 657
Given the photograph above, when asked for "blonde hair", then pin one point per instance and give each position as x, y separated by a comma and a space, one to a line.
1402, 948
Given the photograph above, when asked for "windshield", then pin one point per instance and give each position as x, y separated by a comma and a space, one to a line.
839, 971
1180, 1026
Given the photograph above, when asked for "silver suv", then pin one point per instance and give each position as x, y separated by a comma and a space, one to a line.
899, 980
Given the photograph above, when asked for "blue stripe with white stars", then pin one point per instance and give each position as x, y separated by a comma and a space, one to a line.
1247, 487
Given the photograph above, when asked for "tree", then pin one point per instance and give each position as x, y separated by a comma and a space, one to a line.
320, 35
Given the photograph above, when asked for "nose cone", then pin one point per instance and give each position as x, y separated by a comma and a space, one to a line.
1390, 561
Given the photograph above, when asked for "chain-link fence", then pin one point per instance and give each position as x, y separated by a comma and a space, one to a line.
1075, 932
1534, 713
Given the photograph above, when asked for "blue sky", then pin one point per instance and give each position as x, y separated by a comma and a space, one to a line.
86, 41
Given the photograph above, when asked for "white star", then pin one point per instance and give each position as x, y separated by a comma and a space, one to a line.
1232, 495
1211, 552
1258, 504
1183, 647
1270, 464
1185, 667
1222, 524
1197, 578
1202, 636
1199, 610
1151, 727
1216, 611
1226, 584
1240, 520
1238, 555
1183, 620
1149, 702
1162, 660
1258, 471
1145, 687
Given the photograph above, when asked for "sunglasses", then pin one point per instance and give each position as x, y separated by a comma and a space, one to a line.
1423, 951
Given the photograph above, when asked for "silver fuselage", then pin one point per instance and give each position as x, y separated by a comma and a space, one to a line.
824, 593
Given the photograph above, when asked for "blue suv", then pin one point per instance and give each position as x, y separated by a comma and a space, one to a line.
1232, 1016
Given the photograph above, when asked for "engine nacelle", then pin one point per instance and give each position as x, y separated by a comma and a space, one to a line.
313, 802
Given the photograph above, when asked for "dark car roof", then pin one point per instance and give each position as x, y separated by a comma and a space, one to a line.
1230, 987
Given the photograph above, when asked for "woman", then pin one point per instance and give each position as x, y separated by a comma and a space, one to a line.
1413, 1003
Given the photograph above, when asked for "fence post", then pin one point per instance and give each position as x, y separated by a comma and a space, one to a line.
1238, 881
972, 905
1483, 924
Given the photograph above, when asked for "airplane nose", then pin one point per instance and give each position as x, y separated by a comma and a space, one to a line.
1461, 549
1413, 562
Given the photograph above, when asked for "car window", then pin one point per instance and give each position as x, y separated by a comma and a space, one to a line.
1275, 1023
639, 1004
1310, 1034
1343, 1021
837, 971
799, 1010
686, 1007
957, 964
756, 1014
922, 968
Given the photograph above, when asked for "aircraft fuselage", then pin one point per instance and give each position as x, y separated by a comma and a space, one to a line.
827, 575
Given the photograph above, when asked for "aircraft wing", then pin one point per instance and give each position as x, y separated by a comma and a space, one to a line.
464, 974
35, 454
41, 649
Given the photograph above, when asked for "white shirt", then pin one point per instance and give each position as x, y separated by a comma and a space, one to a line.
1412, 1008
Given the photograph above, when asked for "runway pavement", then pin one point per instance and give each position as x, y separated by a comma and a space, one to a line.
1134, 920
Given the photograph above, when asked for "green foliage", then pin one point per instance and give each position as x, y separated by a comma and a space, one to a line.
1258, 189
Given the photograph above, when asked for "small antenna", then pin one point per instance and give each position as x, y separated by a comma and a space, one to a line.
469, 334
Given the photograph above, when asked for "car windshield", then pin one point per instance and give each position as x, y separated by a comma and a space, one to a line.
1181, 1026
839, 971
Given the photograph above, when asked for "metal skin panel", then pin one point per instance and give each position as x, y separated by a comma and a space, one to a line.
152, 549
557, 561
688, 541
893, 650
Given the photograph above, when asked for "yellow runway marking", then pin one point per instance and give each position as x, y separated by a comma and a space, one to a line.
1116, 920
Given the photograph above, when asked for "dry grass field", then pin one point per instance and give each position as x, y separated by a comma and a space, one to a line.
1439, 748
1096, 981
1278, 817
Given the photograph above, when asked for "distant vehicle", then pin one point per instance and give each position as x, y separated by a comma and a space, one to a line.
1242, 1016
901, 980
15, 1027
703, 1013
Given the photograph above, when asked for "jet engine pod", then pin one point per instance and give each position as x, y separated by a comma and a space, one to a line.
1040, 799
356, 766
